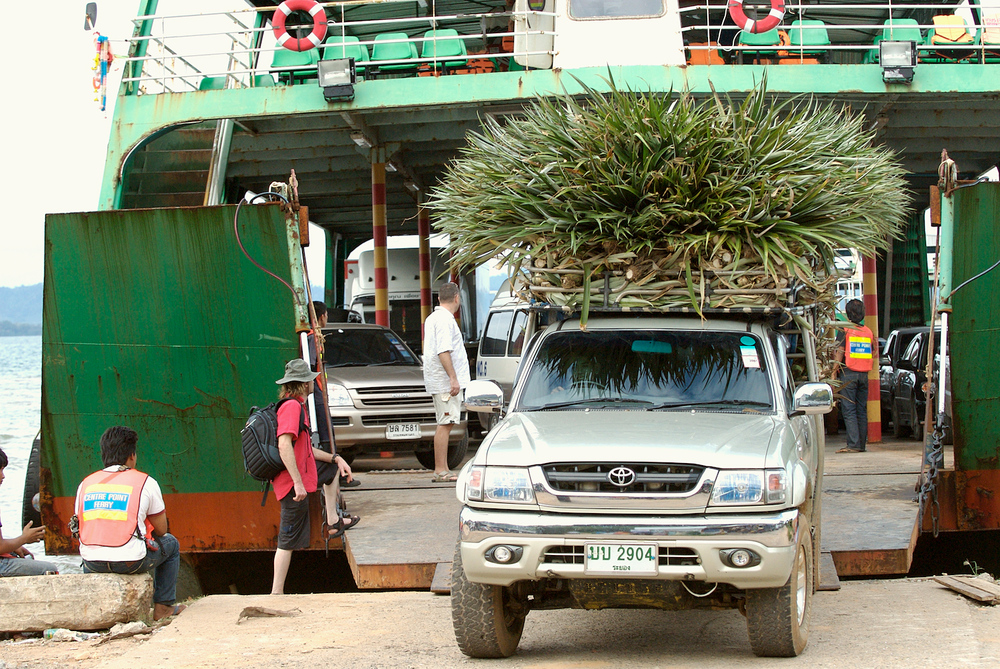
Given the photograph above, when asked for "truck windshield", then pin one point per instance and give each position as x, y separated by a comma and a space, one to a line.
346, 347
647, 369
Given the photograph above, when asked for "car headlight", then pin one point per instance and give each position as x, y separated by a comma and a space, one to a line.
737, 487
337, 396
499, 484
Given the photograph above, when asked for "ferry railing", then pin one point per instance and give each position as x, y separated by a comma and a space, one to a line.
166, 67
853, 31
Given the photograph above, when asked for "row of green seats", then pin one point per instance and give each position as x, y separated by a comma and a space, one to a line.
443, 45
805, 37
951, 40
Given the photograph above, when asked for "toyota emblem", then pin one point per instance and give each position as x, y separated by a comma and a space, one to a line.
622, 477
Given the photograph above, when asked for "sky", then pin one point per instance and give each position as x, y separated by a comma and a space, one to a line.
55, 134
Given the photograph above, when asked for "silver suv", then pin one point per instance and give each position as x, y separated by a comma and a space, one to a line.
656, 462
375, 389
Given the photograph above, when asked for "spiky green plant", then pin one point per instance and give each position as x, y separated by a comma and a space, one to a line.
657, 188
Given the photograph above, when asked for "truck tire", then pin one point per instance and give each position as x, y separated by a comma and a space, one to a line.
778, 618
32, 485
486, 625
456, 453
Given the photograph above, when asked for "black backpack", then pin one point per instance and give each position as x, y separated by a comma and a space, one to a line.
260, 443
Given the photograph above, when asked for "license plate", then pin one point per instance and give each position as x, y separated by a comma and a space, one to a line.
621, 559
402, 431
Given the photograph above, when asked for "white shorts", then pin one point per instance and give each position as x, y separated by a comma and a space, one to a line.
447, 409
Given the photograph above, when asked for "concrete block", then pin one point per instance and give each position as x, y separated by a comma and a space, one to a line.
74, 601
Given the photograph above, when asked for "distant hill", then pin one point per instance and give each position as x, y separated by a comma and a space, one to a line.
21, 305
8, 329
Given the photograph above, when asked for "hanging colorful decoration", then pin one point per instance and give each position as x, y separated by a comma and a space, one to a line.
102, 64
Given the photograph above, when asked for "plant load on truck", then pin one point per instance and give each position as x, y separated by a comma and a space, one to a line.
638, 201
661, 452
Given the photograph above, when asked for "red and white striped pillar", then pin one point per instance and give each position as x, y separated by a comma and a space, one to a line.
380, 238
870, 288
424, 261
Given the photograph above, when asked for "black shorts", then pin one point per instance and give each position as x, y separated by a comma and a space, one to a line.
293, 533
325, 471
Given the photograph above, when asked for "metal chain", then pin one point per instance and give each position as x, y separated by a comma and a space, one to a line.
933, 461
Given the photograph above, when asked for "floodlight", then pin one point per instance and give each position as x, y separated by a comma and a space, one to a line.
898, 60
337, 77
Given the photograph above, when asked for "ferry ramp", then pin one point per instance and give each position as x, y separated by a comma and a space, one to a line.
409, 526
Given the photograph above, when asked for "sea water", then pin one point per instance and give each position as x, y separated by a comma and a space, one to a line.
20, 419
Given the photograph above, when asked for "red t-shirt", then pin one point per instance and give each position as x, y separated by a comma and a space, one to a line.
288, 423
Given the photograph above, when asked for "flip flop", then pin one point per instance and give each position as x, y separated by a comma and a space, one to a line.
444, 477
848, 450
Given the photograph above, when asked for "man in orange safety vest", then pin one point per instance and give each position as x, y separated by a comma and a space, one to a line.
857, 356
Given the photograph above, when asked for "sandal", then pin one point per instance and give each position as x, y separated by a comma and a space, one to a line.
849, 450
444, 477
337, 529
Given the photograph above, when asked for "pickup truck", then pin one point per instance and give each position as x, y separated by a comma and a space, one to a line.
651, 461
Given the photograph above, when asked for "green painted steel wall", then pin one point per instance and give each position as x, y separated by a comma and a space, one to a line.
155, 319
975, 329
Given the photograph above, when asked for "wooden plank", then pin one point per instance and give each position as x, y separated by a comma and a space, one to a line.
828, 579
441, 585
972, 587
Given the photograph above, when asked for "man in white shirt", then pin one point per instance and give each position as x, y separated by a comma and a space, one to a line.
446, 373
123, 521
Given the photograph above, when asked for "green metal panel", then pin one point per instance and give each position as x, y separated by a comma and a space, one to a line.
975, 329
155, 319
909, 299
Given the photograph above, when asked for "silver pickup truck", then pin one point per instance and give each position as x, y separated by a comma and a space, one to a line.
648, 462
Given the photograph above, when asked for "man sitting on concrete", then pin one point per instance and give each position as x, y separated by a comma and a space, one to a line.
123, 521
15, 559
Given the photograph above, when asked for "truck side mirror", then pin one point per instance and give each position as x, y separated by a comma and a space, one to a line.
812, 399
483, 396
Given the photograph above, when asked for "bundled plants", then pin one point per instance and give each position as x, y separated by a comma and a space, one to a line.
645, 201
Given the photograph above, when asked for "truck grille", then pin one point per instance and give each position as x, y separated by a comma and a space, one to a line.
669, 556
394, 396
375, 420
649, 478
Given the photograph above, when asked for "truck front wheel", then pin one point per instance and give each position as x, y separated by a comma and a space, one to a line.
488, 620
778, 618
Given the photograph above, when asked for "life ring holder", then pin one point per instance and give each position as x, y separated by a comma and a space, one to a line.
770, 21
310, 41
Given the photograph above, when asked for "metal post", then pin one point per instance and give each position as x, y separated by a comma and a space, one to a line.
219, 161
423, 233
332, 296
870, 287
380, 238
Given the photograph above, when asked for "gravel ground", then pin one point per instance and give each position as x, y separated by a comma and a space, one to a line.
885, 623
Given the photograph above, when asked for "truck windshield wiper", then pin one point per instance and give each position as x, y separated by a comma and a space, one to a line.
349, 364
684, 405
593, 400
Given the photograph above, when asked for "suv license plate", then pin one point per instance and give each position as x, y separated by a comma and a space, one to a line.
402, 431
613, 559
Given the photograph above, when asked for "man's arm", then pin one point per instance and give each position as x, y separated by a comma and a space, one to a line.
287, 451
449, 368
159, 523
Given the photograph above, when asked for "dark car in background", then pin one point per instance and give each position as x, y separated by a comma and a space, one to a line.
375, 389
891, 351
910, 390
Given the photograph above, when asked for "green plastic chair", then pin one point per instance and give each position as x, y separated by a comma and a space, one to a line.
263, 80
444, 44
807, 33
212, 83
290, 66
768, 38
388, 46
346, 46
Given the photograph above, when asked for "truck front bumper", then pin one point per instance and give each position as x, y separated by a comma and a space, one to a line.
691, 548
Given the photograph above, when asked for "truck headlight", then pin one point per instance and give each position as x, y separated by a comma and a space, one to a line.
507, 484
738, 487
337, 396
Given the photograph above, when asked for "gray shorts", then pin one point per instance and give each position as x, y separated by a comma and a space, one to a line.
447, 409
293, 533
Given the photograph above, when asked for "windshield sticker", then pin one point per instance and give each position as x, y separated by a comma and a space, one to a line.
748, 341
749, 355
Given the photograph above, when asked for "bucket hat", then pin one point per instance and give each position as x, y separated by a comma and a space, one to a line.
297, 370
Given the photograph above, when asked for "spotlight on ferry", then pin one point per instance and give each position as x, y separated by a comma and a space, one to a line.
898, 59
337, 78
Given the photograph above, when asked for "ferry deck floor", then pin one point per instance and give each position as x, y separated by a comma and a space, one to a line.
407, 538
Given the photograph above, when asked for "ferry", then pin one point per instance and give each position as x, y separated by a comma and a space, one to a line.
158, 312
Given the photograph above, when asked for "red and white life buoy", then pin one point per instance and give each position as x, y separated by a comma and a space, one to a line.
313, 39
770, 21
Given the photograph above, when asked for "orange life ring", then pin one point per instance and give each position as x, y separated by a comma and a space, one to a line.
310, 41
770, 21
